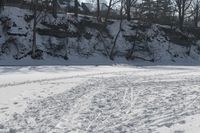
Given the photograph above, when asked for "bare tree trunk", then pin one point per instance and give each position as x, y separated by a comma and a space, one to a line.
128, 10
98, 11
181, 15
182, 18
55, 6
76, 8
181, 21
34, 29
196, 17
173, 19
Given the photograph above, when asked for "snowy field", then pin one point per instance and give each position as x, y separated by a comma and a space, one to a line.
100, 99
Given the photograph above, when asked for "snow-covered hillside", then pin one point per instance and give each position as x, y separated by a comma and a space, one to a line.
100, 99
74, 86
67, 38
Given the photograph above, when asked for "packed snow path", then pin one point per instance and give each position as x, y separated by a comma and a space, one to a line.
113, 100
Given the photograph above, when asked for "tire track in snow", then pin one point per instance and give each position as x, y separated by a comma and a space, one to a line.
99, 105
58, 78
82, 76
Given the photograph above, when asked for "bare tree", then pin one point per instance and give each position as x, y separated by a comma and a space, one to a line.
182, 7
128, 5
196, 10
111, 4
108, 12
118, 33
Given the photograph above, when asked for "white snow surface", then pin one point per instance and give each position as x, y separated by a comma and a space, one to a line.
100, 99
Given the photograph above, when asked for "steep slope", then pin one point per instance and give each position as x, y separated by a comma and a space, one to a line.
82, 37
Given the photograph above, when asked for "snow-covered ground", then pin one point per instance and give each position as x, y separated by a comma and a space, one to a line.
99, 99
